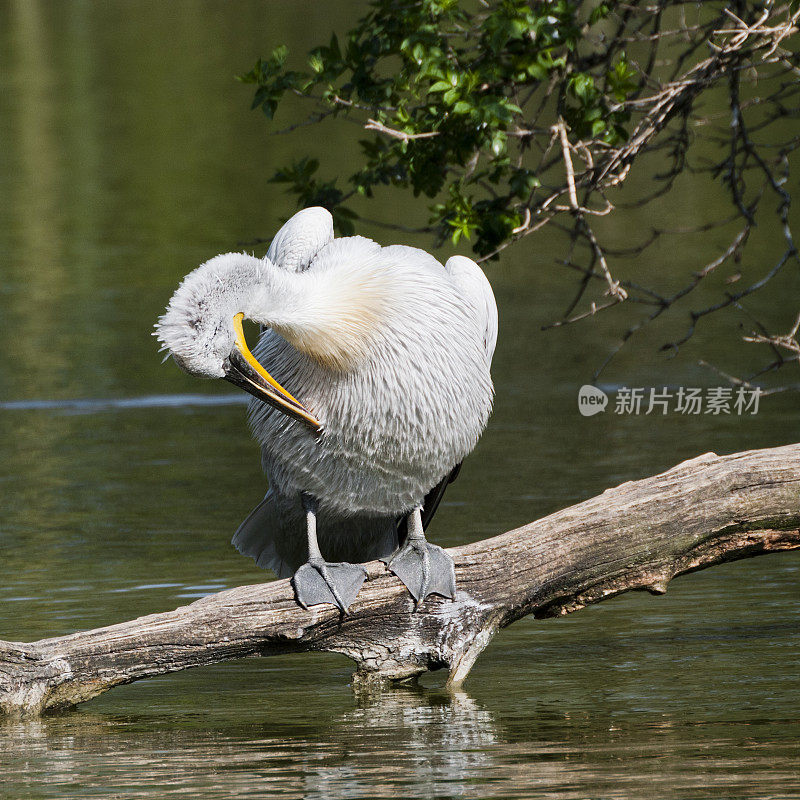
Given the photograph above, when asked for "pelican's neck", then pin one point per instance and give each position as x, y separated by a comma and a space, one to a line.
333, 313
333, 316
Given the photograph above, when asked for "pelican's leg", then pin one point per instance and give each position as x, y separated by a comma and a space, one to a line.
423, 567
318, 581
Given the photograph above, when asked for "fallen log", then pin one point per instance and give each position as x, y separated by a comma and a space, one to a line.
638, 535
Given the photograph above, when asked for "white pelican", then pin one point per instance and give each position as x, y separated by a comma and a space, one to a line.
378, 387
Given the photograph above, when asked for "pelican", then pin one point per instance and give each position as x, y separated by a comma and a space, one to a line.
370, 383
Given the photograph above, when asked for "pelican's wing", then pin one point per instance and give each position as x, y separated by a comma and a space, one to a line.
435, 495
301, 238
477, 291
431, 502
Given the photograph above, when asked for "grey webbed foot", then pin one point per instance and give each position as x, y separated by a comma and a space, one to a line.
423, 567
318, 581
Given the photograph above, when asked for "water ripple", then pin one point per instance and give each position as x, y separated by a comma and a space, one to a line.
94, 406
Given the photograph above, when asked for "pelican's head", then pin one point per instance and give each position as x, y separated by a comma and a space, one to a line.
202, 329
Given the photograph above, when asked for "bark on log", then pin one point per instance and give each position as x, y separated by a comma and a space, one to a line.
636, 536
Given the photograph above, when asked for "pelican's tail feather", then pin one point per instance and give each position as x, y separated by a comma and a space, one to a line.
274, 536
264, 529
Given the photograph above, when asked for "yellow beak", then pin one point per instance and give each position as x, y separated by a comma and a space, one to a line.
243, 370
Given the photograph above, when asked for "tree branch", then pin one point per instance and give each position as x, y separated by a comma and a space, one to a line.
638, 535
374, 125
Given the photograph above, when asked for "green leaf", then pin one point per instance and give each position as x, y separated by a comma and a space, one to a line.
279, 55
457, 69
598, 126
582, 86
598, 13
498, 143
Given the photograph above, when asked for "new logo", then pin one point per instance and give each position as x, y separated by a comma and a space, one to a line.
591, 400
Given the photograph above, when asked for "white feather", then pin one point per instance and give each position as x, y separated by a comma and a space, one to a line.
476, 290
405, 412
301, 238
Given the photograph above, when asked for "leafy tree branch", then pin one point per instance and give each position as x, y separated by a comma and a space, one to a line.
510, 116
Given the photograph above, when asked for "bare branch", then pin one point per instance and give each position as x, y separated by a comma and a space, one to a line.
374, 125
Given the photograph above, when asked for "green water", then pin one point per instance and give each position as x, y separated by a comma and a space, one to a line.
127, 156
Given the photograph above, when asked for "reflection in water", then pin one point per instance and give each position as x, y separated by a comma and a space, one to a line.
431, 744
436, 743
411, 744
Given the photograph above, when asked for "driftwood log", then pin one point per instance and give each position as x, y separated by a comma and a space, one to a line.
639, 535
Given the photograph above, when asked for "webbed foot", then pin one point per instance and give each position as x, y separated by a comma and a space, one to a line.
318, 581
424, 568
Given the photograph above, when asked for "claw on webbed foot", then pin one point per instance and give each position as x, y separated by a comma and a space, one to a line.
318, 581
425, 569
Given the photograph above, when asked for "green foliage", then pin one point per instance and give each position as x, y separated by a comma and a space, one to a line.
310, 191
455, 82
